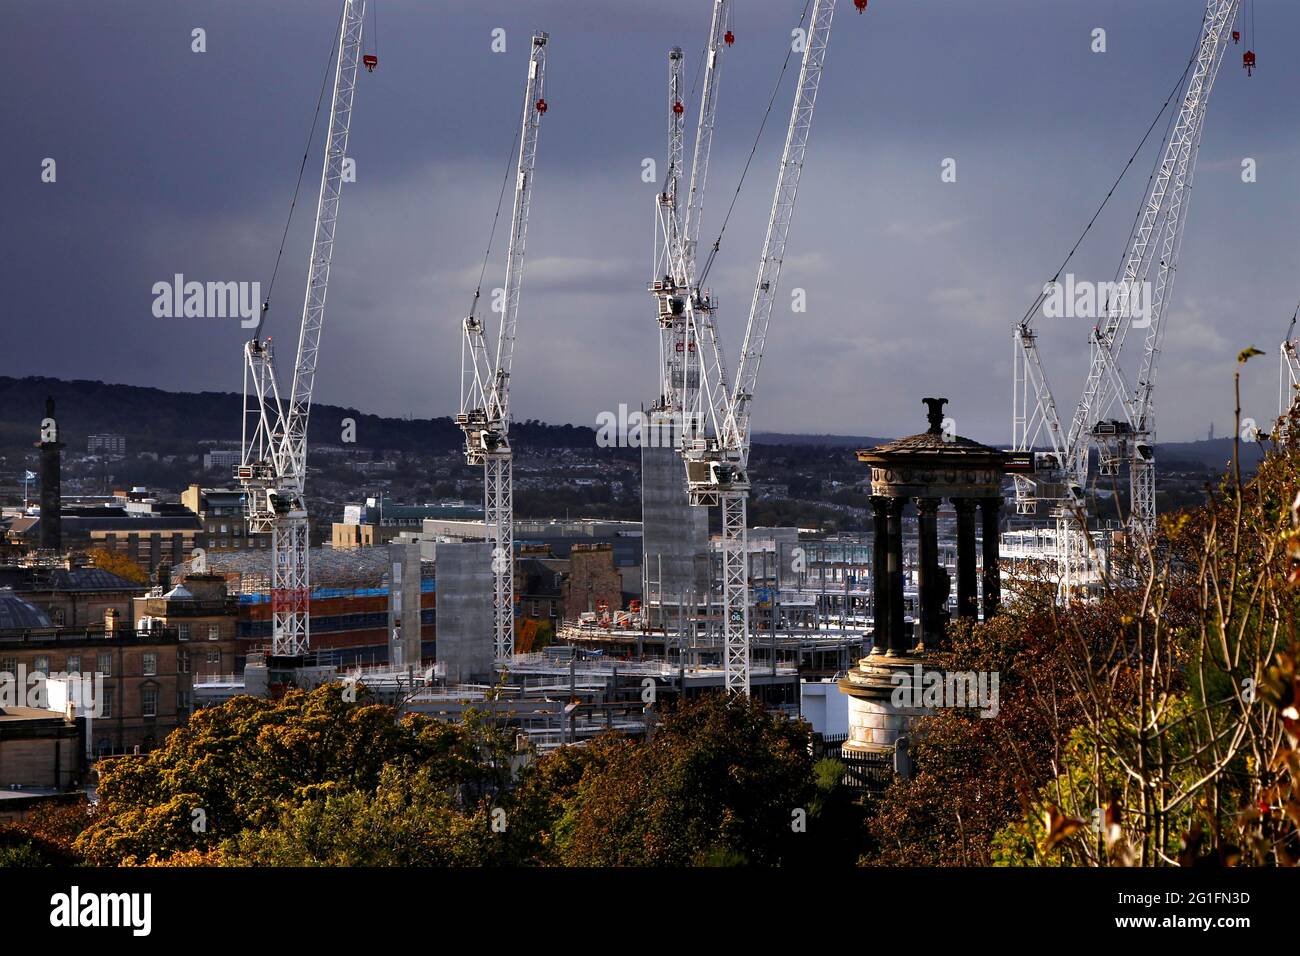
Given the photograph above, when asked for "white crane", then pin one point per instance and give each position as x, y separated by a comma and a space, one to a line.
1061, 475
677, 237
668, 244
485, 377
273, 465
717, 459
1288, 386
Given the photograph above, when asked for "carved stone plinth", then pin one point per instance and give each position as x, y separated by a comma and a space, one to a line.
876, 721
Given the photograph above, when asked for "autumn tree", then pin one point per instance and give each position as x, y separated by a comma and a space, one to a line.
1147, 725
721, 781
242, 765
119, 564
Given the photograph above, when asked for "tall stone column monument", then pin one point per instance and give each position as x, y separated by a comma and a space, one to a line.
924, 470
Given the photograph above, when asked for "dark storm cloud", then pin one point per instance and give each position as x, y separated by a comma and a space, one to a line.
171, 161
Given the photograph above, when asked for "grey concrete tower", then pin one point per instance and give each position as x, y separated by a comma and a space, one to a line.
463, 611
404, 604
675, 535
51, 537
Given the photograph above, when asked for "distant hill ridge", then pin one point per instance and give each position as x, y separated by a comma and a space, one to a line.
174, 422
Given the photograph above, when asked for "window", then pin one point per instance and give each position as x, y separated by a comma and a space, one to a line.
183, 631
149, 664
106, 702
214, 632
214, 656
41, 665
104, 663
9, 665
148, 701
182, 662
73, 666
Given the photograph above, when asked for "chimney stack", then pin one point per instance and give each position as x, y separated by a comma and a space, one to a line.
51, 537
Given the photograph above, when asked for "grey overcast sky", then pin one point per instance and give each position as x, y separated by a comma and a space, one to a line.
170, 161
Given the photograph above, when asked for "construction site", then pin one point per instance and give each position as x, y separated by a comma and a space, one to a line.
549, 440
693, 598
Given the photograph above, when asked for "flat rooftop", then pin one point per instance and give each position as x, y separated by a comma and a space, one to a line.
28, 713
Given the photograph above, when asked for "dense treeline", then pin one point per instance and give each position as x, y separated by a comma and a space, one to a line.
313, 779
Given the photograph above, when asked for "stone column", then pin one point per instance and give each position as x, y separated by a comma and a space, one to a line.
880, 571
900, 641
928, 571
989, 508
967, 594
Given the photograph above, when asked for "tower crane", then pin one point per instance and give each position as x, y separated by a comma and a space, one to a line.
1116, 418
485, 375
678, 234
273, 462
1288, 386
717, 458
668, 244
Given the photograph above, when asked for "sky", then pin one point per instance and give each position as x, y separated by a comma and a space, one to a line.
171, 161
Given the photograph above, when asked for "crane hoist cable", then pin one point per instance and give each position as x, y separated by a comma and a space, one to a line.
717, 243
293, 204
1042, 294
371, 60
487, 253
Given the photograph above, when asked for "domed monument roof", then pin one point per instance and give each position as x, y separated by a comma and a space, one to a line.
937, 462
19, 615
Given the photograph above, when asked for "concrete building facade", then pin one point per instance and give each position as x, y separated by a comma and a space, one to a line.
675, 538
464, 611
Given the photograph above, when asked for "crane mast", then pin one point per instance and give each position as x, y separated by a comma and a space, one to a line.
704, 127
698, 336
716, 467
1155, 243
668, 244
485, 385
273, 465
674, 285
1288, 385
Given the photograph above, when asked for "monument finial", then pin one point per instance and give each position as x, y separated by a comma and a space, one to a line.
935, 414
